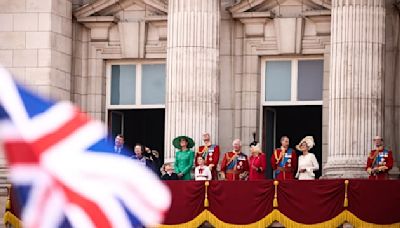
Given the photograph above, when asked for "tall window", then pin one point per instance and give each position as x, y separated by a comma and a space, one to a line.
133, 86
293, 82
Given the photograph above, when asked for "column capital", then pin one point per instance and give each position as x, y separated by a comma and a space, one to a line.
369, 3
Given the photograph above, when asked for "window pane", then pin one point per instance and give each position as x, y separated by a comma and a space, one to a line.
153, 84
310, 80
277, 81
123, 84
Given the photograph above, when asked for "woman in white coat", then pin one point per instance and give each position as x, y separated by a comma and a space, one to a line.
307, 162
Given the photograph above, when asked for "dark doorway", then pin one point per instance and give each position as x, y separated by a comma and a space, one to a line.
296, 122
145, 126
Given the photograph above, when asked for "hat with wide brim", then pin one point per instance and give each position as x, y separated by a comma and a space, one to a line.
177, 142
309, 140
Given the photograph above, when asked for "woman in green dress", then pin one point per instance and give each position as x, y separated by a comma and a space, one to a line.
184, 156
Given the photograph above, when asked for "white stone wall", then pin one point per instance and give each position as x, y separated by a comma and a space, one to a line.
35, 39
227, 65
80, 65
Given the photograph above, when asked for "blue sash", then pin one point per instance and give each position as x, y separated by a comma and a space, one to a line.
211, 149
232, 164
283, 162
379, 157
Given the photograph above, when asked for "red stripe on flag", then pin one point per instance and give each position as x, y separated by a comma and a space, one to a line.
20, 152
94, 212
45, 142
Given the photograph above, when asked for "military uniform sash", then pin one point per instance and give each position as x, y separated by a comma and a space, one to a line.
232, 164
285, 159
380, 158
210, 150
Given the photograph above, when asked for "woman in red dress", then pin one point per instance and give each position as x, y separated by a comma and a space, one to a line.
257, 162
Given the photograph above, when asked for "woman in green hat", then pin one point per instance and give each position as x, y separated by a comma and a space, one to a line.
184, 156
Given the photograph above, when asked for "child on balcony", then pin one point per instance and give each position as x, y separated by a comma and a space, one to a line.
202, 172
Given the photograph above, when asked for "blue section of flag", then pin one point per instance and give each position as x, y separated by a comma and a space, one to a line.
102, 146
105, 146
3, 114
134, 221
22, 193
33, 104
65, 223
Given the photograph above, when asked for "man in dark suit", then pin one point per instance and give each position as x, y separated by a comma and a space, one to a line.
119, 144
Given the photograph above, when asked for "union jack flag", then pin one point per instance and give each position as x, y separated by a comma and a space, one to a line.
66, 173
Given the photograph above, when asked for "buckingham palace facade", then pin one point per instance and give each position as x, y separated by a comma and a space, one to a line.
156, 69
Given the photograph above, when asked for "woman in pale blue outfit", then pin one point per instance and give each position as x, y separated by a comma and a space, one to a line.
184, 156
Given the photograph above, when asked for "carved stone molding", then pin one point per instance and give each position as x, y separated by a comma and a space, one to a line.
110, 7
254, 27
99, 26
289, 34
260, 21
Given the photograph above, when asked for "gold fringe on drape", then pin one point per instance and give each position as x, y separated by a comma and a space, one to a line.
276, 215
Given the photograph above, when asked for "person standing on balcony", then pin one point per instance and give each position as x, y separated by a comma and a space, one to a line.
169, 172
184, 157
119, 144
257, 162
307, 161
235, 165
201, 172
284, 161
210, 154
380, 161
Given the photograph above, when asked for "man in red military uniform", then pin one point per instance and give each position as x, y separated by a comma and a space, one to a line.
380, 161
210, 154
284, 161
235, 165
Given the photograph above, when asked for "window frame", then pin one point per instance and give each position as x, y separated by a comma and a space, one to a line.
138, 89
294, 81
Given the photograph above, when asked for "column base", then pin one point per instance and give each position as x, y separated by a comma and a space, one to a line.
345, 168
394, 173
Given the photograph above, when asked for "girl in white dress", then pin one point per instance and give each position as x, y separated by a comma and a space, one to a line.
202, 172
307, 163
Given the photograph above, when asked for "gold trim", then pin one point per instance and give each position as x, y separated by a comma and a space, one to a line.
346, 200
276, 215
10, 218
206, 203
275, 201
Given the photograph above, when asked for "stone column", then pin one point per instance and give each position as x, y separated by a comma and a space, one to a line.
356, 84
191, 105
